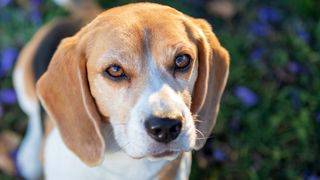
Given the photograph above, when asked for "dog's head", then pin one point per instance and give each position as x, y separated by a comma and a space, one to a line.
154, 73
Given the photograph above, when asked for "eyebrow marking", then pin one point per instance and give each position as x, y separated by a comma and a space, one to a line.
119, 57
190, 32
109, 55
154, 77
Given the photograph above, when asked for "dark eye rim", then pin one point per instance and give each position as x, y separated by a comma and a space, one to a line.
123, 76
185, 68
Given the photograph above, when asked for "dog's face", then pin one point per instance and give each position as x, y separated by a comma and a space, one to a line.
146, 69
142, 80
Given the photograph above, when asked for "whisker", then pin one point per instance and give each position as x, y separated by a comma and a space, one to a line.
200, 133
209, 137
197, 120
195, 116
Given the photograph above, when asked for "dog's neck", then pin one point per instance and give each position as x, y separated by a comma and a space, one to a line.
63, 164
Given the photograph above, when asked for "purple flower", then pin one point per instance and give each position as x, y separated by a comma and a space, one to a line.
256, 54
260, 29
35, 3
308, 175
294, 67
8, 58
303, 35
4, 3
313, 177
247, 96
269, 14
8, 96
300, 30
219, 155
36, 17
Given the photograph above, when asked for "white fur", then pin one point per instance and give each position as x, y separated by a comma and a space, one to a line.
28, 157
185, 167
62, 164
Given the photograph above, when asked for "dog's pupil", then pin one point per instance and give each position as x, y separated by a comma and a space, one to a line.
115, 70
182, 61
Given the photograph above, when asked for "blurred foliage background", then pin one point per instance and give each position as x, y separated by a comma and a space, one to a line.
269, 123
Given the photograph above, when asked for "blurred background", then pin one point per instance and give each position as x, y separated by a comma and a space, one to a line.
269, 122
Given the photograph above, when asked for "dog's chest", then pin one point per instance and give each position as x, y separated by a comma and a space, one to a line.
62, 164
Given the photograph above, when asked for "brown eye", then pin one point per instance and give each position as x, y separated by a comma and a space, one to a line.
115, 72
182, 62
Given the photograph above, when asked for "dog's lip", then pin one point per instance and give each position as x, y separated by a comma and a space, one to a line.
157, 155
163, 154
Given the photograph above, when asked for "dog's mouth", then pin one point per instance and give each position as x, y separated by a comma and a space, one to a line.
167, 155
163, 154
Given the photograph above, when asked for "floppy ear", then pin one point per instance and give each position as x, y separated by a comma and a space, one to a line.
65, 94
212, 76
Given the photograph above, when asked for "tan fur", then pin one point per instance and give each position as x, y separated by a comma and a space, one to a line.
80, 99
218, 71
78, 122
170, 171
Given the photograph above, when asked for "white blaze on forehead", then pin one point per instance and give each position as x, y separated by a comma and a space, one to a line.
165, 102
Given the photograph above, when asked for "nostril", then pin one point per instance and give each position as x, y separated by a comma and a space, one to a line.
176, 128
163, 130
156, 131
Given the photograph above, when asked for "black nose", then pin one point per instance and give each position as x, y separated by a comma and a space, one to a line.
163, 130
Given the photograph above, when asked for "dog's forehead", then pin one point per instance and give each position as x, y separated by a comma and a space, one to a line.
130, 27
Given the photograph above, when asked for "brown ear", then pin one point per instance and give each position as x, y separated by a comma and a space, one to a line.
65, 94
212, 76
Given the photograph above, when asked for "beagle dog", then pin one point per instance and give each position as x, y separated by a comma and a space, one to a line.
131, 95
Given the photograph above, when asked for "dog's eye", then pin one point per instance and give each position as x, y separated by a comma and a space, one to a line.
115, 72
182, 62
